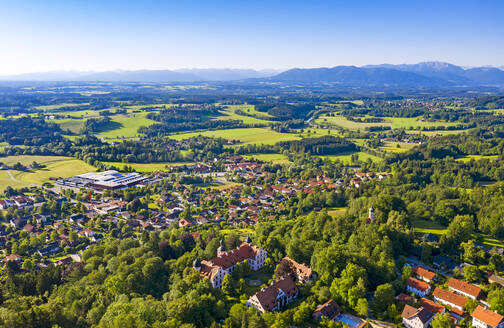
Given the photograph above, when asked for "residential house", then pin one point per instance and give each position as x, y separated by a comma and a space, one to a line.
300, 272
49, 249
20, 201
464, 288
449, 298
275, 296
12, 257
418, 287
5, 204
405, 298
329, 309
416, 318
184, 223
424, 274
432, 306
484, 318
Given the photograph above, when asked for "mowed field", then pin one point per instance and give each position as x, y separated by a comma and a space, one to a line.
229, 113
129, 125
55, 167
393, 122
396, 147
247, 136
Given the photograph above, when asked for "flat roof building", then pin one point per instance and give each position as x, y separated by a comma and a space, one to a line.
102, 180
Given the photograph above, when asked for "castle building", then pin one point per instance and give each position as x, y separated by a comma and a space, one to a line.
216, 268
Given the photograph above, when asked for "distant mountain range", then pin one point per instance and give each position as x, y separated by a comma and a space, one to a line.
426, 74
182, 75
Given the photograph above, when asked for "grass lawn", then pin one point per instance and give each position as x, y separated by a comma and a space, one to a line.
346, 158
129, 125
222, 186
247, 136
274, 158
336, 211
55, 166
147, 167
424, 226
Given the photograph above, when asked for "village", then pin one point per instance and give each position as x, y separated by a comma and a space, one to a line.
93, 207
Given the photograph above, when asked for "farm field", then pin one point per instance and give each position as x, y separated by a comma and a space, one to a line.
147, 167
230, 114
316, 132
346, 158
396, 147
476, 158
393, 122
247, 136
55, 166
274, 158
58, 106
129, 125
74, 125
437, 132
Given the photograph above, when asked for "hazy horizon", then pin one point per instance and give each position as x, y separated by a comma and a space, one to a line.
98, 36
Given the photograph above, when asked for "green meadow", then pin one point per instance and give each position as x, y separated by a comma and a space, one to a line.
393, 122
396, 147
274, 158
246, 136
55, 167
129, 125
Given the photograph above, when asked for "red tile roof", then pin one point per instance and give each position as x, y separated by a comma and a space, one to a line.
329, 309
424, 273
403, 297
449, 297
268, 296
431, 306
245, 251
417, 284
464, 287
489, 317
301, 270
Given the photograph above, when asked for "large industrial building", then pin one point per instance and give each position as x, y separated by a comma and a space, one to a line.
102, 180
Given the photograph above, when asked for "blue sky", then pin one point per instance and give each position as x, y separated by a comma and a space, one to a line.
44, 35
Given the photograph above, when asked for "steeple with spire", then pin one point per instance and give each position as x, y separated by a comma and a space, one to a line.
371, 216
221, 251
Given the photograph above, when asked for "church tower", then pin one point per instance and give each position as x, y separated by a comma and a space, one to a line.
371, 216
221, 251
